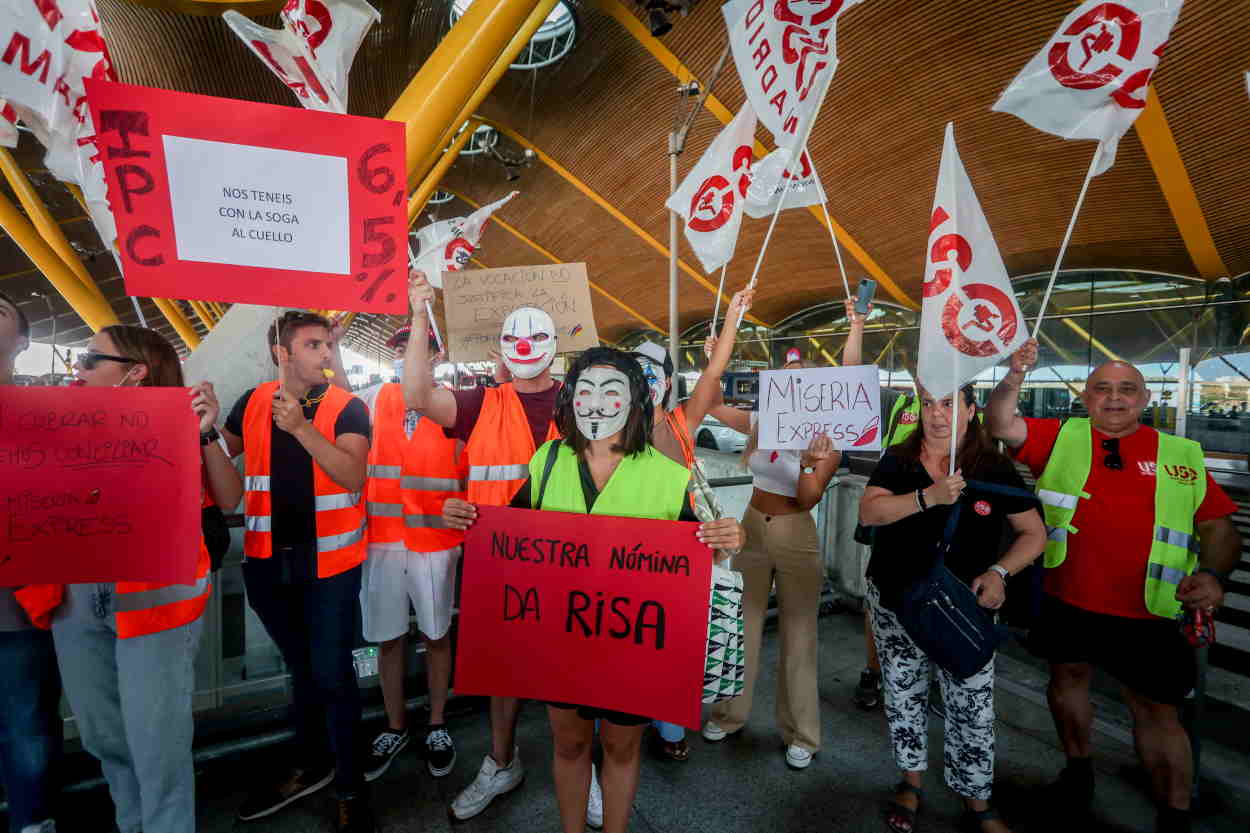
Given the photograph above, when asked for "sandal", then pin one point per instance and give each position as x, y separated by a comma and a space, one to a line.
971, 821
899, 817
679, 751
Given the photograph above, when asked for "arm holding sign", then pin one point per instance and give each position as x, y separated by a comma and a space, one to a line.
853, 352
420, 393
345, 460
1002, 420
708, 390
224, 483
816, 467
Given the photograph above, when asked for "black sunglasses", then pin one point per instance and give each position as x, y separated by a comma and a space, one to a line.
1113, 460
90, 359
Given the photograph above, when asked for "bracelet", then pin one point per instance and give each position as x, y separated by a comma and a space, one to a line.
920, 501
1002, 571
209, 437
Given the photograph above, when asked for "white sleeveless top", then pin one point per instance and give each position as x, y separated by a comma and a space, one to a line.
775, 471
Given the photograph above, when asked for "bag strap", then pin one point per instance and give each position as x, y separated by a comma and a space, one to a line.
1000, 489
548, 465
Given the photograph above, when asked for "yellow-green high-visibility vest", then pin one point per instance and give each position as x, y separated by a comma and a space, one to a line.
906, 403
1180, 486
644, 485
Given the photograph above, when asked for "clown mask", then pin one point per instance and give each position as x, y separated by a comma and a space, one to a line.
656, 381
527, 342
601, 402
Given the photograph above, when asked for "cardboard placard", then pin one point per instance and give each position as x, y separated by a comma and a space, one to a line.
225, 200
843, 402
588, 609
98, 484
477, 301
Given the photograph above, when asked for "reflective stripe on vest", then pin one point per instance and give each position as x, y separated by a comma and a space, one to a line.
169, 594
410, 477
500, 447
1180, 486
143, 608
646, 485
339, 514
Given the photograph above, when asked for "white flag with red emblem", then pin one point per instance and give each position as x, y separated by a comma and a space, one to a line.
969, 319
1090, 80
447, 245
770, 179
712, 196
785, 50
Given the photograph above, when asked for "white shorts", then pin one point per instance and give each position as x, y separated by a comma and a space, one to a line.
393, 577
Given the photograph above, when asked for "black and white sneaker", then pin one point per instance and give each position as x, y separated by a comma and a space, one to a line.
386, 747
440, 751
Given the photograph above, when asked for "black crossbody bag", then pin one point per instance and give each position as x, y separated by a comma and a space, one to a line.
940, 612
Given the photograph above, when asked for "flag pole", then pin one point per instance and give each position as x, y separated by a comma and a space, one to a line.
720, 289
837, 250
1063, 248
429, 310
799, 146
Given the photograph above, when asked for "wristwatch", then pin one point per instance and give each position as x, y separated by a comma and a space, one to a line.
1002, 571
209, 437
809, 469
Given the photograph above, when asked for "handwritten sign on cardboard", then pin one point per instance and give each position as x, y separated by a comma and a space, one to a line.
225, 200
98, 484
477, 301
843, 402
588, 609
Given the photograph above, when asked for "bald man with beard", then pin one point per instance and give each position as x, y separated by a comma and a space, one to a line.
1138, 532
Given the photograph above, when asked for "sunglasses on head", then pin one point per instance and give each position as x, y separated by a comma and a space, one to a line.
90, 359
1113, 460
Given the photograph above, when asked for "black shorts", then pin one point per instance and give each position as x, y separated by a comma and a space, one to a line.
1149, 656
592, 713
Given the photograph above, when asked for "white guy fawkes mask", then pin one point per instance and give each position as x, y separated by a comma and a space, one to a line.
527, 342
601, 402
656, 381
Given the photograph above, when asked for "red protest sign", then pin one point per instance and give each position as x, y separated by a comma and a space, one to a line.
587, 609
98, 484
225, 200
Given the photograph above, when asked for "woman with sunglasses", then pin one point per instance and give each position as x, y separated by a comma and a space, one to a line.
604, 465
127, 650
906, 500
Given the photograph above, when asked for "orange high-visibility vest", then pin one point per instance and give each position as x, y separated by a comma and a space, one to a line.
500, 448
340, 514
142, 607
409, 478
676, 419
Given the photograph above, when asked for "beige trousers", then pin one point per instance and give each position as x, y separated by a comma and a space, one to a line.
784, 549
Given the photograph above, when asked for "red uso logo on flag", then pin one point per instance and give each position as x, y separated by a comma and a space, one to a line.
298, 12
457, 254
712, 205
982, 327
1088, 39
944, 249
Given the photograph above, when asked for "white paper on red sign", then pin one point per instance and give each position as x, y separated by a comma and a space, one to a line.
969, 319
447, 245
784, 51
8, 125
1090, 80
712, 196
770, 179
333, 31
287, 55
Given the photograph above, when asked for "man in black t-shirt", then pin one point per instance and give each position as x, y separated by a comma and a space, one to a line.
302, 553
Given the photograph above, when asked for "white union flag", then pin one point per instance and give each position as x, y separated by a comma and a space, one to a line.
1090, 81
969, 319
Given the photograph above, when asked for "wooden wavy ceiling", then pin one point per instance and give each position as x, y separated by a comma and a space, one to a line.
907, 68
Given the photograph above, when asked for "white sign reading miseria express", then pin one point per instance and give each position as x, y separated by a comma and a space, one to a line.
843, 402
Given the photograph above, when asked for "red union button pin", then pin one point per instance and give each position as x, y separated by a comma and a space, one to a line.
982, 507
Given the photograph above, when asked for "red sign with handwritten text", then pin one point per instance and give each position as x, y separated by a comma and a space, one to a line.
225, 200
587, 609
98, 484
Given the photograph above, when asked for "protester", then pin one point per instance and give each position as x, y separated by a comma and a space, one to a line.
604, 466
672, 434
126, 650
1123, 503
30, 726
413, 467
782, 547
305, 445
901, 501
501, 428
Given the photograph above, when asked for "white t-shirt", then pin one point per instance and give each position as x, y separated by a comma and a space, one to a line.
775, 471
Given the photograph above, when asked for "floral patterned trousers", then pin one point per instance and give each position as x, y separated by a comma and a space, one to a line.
906, 674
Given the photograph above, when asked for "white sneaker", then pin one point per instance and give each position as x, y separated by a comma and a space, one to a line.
491, 781
713, 732
594, 805
48, 826
797, 757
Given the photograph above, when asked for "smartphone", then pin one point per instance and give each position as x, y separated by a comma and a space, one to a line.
867, 289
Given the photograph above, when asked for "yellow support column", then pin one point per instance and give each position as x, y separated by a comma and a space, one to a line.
178, 321
422, 195
519, 41
449, 77
201, 311
90, 308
